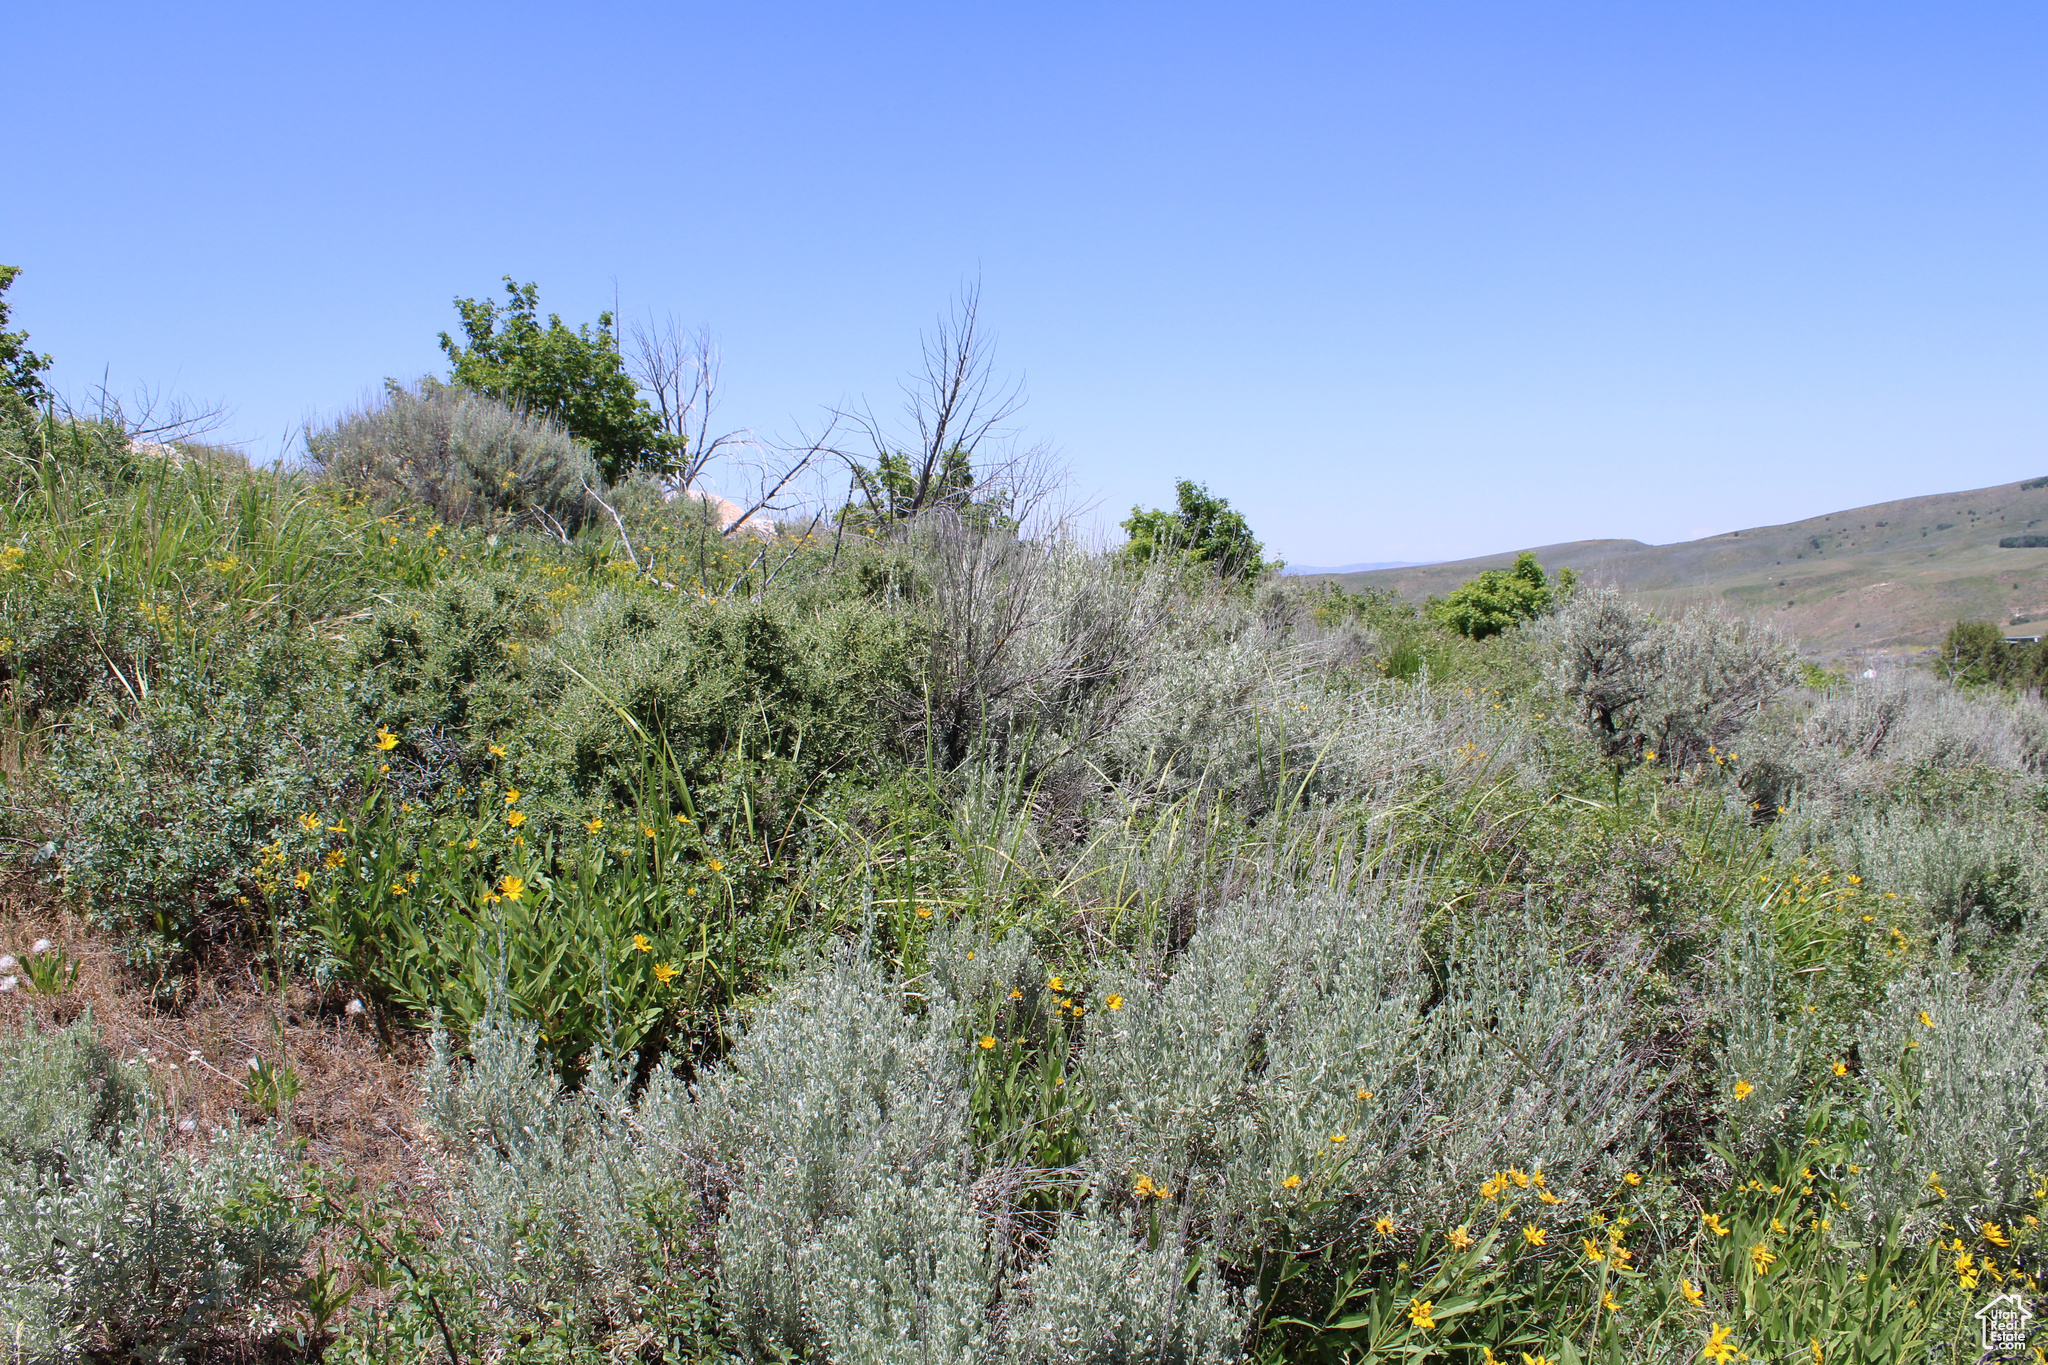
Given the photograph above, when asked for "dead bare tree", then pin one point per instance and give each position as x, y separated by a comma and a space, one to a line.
680, 369
154, 416
951, 446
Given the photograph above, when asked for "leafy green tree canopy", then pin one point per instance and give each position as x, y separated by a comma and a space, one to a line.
575, 377
1975, 652
1204, 530
890, 492
21, 389
1500, 598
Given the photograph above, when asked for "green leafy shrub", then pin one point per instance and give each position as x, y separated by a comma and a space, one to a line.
606, 940
174, 810
1500, 599
574, 378
1203, 530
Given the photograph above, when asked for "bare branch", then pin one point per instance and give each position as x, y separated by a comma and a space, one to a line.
680, 371
798, 458
618, 522
953, 407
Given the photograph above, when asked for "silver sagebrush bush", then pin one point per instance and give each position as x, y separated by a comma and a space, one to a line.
1956, 1105
903, 1278
543, 1200
833, 1086
1099, 1295
1762, 1037
469, 459
1291, 1041
1645, 683
109, 1241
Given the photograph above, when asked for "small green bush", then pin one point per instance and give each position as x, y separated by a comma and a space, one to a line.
173, 810
1499, 599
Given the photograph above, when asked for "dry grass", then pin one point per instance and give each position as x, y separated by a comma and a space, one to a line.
356, 1111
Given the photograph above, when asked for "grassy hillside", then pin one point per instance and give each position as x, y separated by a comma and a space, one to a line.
1889, 577
472, 935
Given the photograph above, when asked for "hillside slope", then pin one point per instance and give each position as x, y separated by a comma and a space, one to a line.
1888, 577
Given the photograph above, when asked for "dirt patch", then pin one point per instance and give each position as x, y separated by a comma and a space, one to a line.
356, 1108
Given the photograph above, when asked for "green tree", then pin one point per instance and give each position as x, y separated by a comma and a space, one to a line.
572, 376
1976, 652
1204, 530
892, 490
1500, 598
21, 388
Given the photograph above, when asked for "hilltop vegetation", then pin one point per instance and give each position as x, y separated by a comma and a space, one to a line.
903, 939
1887, 578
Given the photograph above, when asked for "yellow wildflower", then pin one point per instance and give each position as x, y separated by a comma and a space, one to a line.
1995, 1235
1384, 1227
1761, 1256
1418, 1313
515, 818
302, 879
988, 1042
1609, 1302
386, 740
1743, 1090
496, 752
923, 911
593, 824
1631, 1178
717, 866
1712, 1223
1114, 1002
1547, 1197
1691, 1292
665, 972
511, 796
1519, 1176
512, 888
1292, 1182
309, 821
1593, 1252
1459, 1237
1533, 1235
642, 944
1840, 1068
1338, 1138
1926, 1019
1719, 1349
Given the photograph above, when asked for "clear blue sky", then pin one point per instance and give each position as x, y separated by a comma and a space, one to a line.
1401, 281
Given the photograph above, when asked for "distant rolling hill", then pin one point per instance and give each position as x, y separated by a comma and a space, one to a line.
1889, 577
1303, 570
